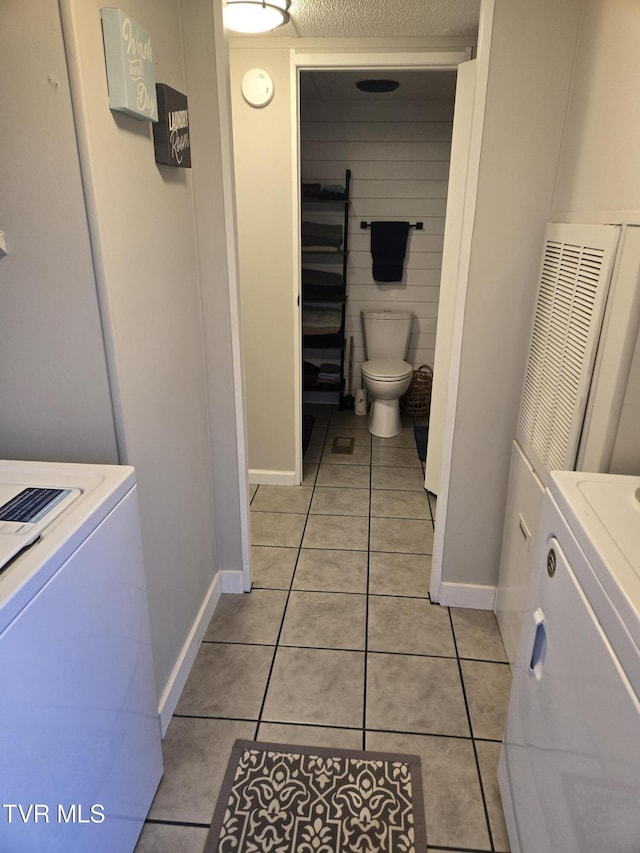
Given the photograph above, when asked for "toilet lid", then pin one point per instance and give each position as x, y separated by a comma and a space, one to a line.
388, 369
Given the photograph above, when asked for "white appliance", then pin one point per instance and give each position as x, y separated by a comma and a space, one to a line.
581, 396
80, 753
569, 768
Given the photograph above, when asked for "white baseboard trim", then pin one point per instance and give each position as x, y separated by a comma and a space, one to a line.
262, 477
467, 595
173, 689
224, 581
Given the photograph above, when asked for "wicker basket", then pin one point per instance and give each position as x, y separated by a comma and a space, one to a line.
417, 400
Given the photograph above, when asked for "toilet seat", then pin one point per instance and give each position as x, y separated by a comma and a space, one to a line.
386, 369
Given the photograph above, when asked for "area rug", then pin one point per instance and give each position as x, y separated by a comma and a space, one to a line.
279, 798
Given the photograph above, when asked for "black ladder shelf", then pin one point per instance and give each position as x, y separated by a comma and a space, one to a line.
323, 286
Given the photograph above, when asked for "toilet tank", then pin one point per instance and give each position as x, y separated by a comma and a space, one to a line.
386, 333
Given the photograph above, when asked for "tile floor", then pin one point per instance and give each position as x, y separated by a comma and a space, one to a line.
338, 644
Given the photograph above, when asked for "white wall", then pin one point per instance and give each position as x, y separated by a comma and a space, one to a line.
54, 387
211, 151
398, 153
530, 64
599, 169
461, 177
143, 233
265, 194
156, 253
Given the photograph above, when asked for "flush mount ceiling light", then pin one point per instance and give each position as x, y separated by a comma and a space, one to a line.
256, 16
377, 85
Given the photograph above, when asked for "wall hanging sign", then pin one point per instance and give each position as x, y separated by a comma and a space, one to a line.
171, 131
130, 72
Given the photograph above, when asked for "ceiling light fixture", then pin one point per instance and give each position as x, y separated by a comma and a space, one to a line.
377, 85
256, 16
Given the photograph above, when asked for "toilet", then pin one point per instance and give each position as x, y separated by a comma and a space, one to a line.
385, 373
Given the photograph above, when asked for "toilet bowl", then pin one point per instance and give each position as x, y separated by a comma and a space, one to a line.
385, 373
386, 380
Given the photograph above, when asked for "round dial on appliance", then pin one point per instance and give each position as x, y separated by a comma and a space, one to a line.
257, 87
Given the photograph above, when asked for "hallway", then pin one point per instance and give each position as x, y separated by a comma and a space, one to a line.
338, 644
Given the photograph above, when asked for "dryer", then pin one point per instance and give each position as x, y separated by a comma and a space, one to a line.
569, 769
80, 751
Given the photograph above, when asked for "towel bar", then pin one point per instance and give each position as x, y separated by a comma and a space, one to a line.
419, 226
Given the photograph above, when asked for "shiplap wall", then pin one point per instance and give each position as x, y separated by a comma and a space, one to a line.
398, 153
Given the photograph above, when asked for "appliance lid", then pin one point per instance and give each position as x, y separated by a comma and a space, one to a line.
604, 514
387, 369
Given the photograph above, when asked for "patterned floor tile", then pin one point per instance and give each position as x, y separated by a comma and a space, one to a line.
282, 499
316, 686
272, 567
409, 626
452, 796
335, 531
331, 570
195, 755
402, 535
477, 634
415, 694
326, 620
277, 528
328, 500
251, 618
213, 688
399, 574
487, 686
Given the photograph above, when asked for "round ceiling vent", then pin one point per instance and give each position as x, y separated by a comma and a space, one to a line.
377, 85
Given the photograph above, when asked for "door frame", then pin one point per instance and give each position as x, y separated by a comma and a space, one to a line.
367, 60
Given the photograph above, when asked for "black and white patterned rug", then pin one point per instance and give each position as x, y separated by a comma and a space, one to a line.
279, 798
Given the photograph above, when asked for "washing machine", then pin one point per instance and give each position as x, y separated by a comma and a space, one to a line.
569, 768
80, 751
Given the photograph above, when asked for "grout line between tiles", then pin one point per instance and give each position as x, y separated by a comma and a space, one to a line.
332, 425
366, 610
165, 822
473, 742
284, 613
184, 716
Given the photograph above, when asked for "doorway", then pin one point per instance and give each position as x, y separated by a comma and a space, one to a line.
397, 152
391, 149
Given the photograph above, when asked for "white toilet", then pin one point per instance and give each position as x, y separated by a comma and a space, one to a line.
386, 374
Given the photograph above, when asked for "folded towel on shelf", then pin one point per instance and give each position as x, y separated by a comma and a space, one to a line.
321, 321
321, 285
324, 277
311, 191
320, 234
310, 371
329, 373
388, 247
332, 192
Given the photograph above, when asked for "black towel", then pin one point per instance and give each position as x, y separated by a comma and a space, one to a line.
321, 234
388, 247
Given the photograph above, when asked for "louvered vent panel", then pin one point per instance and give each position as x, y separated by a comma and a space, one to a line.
574, 278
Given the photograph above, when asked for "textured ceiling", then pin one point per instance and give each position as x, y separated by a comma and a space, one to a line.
381, 18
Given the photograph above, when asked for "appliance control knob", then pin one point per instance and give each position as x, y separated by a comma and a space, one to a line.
551, 563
